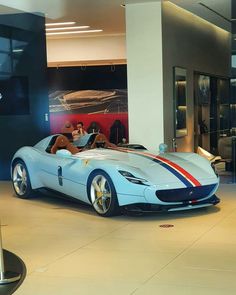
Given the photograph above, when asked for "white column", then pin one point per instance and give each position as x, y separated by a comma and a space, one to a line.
145, 73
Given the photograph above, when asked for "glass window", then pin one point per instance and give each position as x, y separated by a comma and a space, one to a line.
18, 46
233, 60
5, 63
180, 103
5, 44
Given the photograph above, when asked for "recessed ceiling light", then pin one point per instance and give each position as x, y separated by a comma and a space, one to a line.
74, 32
60, 24
122, 5
67, 28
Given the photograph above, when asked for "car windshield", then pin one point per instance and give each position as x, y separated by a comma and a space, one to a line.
85, 140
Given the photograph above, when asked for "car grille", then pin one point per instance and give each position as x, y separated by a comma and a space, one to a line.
185, 194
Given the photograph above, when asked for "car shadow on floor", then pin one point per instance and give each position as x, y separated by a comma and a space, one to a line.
57, 201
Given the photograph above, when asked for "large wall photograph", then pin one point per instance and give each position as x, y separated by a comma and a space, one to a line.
94, 94
89, 101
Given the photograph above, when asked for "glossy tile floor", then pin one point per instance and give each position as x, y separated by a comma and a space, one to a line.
69, 250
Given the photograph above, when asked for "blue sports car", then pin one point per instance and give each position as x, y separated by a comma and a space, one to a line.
109, 178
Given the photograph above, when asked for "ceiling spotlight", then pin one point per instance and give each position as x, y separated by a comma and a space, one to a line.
122, 5
59, 24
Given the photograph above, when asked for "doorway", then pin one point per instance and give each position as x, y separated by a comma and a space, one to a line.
213, 122
212, 111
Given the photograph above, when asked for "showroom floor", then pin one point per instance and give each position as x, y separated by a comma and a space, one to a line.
69, 250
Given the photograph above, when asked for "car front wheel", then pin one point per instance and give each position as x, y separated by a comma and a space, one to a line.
102, 193
21, 180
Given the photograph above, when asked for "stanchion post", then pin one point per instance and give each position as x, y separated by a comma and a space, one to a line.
2, 268
174, 145
6, 277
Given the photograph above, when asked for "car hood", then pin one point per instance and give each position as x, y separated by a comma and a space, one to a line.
189, 169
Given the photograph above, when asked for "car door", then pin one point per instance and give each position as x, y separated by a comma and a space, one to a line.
65, 174
49, 170
72, 177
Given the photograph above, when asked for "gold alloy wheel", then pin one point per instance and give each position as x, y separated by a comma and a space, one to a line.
100, 192
19, 178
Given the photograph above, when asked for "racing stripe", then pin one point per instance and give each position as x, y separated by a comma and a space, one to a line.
185, 177
180, 176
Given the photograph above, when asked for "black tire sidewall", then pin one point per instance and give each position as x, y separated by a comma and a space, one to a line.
29, 190
114, 206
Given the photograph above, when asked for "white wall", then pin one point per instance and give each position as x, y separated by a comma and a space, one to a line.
145, 82
86, 49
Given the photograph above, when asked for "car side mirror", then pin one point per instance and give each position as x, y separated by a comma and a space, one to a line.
163, 148
64, 153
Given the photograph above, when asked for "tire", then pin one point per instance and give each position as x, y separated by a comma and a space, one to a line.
20, 180
102, 194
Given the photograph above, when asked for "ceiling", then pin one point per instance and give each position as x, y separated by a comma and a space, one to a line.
217, 12
109, 15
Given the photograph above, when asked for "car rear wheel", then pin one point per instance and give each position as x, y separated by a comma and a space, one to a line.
102, 194
21, 180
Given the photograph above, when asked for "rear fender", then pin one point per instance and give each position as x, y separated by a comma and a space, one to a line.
29, 156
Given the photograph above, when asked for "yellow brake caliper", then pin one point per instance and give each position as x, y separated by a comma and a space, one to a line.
99, 197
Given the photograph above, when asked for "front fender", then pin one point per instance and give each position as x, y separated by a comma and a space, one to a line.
122, 185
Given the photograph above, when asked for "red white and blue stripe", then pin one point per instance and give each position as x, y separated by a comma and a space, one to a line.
184, 176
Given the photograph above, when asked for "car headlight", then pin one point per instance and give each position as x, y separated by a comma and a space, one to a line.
131, 178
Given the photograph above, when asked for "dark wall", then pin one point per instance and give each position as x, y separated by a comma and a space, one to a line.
233, 12
233, 33
83, 78
198, 46
26, 32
